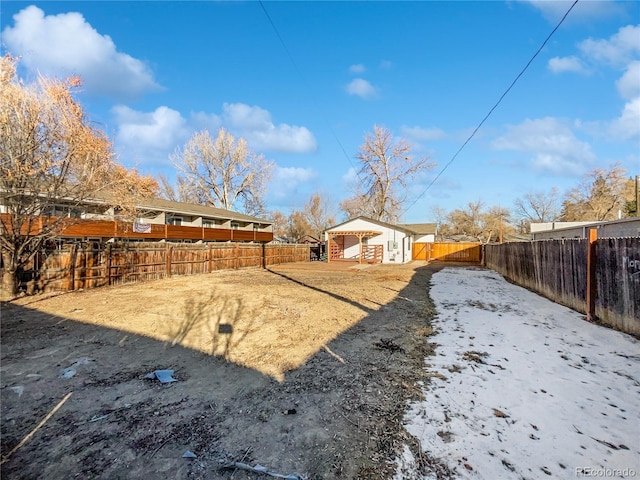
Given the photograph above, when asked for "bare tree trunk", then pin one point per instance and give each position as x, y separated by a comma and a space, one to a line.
9, 277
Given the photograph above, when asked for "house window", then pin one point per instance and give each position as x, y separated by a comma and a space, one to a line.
208, 224
174, 221
235, 226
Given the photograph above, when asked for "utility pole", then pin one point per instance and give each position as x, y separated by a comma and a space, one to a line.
637, 195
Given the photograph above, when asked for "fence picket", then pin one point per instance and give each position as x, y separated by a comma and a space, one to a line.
75, 266
558, 269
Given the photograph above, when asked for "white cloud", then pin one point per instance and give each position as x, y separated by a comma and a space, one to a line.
65, 44
150, 136
385, 64
629, 84
358, 68
350, 176
361, 88
256, 126
294, 175
627, 126
618, 50
552, 144
205, 121
566, 64
287, 180
422, 134
553, 11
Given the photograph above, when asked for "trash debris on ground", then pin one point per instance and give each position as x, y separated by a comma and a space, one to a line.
19, 389
98, 418
189, 454
71, 370
260, 469
68, 372
164, 376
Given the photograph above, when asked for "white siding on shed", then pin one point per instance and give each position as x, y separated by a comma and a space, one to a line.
396, 242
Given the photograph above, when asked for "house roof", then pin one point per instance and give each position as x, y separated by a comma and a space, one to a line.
309, 239
422, 228
355, 233
198, 210
411, 228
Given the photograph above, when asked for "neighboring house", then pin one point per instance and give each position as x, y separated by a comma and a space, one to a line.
317, 248
159, 220
625, 227
365, 240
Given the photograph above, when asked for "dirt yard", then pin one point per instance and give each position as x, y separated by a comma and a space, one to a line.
305, 369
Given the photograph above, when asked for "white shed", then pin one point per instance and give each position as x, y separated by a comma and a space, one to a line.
365, 240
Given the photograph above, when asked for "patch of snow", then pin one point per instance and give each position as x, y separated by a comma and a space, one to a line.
524, 388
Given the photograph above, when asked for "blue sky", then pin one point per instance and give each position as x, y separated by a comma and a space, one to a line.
305, 93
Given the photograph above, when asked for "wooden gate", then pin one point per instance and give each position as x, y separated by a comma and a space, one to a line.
448, 251
421, 251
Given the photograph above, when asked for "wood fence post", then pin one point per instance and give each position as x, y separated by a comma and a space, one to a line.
108, 263
591, 275
82, 274
72, 267
210, 262
264, 256
167, 259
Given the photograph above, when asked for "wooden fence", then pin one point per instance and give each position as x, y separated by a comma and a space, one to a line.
558, 270
448, 251
81, 266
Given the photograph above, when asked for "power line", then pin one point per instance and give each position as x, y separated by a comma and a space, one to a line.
302, 78
492, 108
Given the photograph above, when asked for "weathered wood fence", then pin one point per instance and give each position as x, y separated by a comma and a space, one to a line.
558, 270
81, 266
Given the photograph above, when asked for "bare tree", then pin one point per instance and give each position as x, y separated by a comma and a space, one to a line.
318, 214
181, 192
496, 224
358, 205
297, 226
601, 195
223, 173
538, 207
476, 222
50, 155
466, 221
386, 167
279, 220
440, 216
